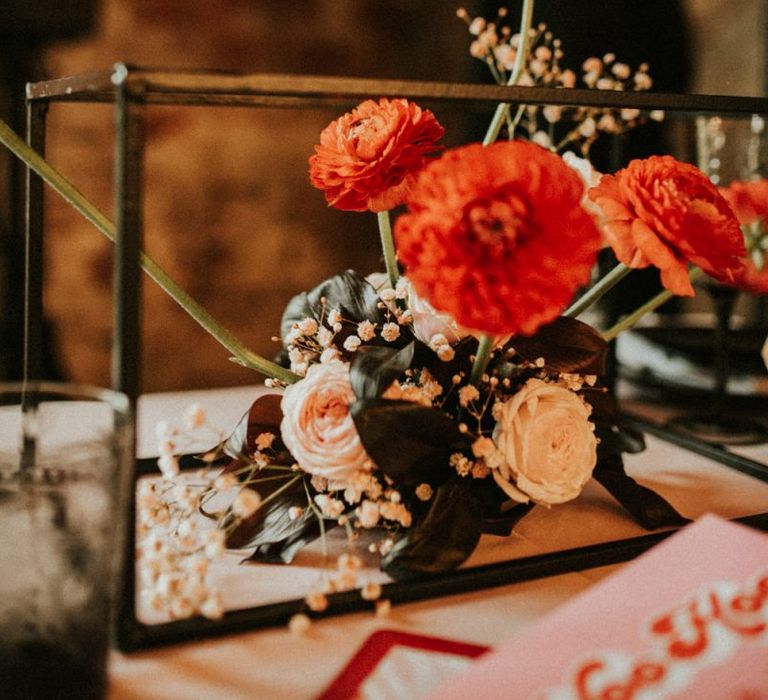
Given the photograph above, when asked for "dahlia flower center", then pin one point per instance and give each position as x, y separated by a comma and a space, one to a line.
495, 223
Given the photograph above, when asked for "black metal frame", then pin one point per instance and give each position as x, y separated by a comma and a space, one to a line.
130, 89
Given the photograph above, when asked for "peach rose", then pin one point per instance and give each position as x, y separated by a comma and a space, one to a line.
546, 443
317, 426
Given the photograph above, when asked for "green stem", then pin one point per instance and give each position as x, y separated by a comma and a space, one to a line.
501, 115
629, 321
481, 359
502, 111
388, 247
241, 354
596, 292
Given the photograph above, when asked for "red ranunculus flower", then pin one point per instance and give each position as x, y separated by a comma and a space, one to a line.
496, 236
753, 279
368, 158
662, 212
749, 200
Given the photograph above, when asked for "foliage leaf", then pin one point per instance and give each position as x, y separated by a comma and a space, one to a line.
283, 551
502, 523
348, 292
264, 416
410, 443
270, 529
567, 345
442, 539
375, 368
645, 506
615, 436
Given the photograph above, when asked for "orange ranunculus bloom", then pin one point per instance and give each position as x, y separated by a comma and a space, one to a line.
368, 158
752, 279
496, 236
749, 200
662, 212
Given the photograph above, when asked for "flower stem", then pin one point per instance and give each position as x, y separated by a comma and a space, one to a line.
388, 247
241, 354
630, 320
502, 111
596, 292
481, 358
500, 116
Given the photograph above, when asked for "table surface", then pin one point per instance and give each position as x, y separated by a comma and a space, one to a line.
277, 663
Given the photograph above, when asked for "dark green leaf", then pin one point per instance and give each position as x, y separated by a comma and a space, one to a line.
408, 442
567, 345
348, 292
443, 538
264, 416
284, 551
619, 438
375, 368
615, 437
645, 506
270, 524
502, 523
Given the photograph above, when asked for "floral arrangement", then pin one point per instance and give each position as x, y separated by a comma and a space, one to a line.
444, 398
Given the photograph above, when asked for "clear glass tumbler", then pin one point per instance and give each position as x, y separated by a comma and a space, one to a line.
65, 457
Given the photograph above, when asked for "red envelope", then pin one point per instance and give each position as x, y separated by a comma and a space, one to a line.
393, 664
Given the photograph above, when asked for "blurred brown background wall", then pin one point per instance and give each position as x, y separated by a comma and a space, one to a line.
230, 212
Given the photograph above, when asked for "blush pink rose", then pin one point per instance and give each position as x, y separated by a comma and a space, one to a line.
317, 426
428, 321
546, 442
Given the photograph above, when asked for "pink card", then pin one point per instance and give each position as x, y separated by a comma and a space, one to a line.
688, 619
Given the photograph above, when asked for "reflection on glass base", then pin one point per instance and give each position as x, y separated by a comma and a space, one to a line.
720, 430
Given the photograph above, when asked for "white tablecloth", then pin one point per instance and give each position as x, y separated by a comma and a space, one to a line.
275, 663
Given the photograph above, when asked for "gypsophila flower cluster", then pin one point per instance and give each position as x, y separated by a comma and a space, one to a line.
174, 548
177, 545
310, 340
553, 126
174, 552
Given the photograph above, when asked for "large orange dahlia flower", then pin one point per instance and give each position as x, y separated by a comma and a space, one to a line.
662, 212
496, 236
